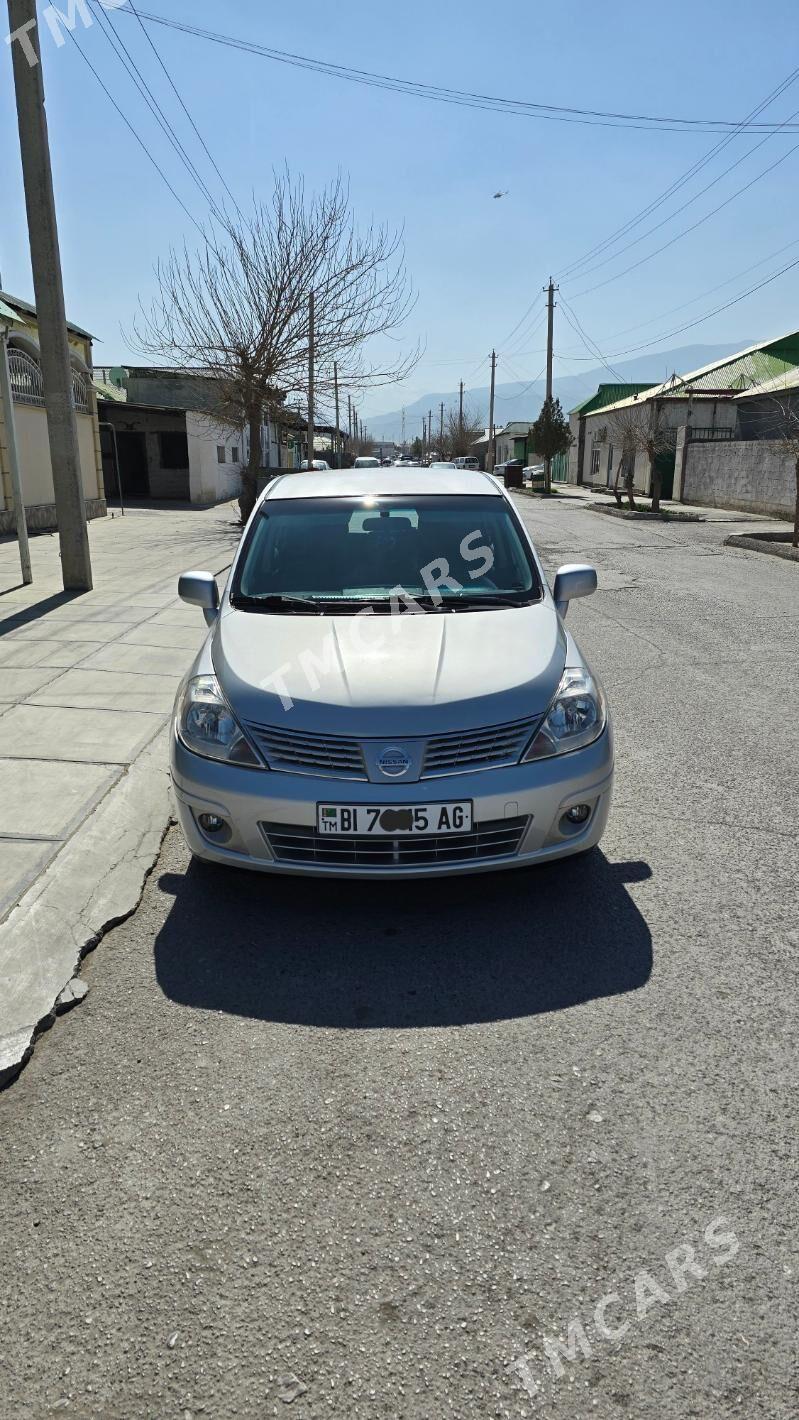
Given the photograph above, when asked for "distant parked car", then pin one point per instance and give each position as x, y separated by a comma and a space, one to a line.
318, 466
366, 461
467, 461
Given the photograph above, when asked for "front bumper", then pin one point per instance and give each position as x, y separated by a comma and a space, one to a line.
538, 793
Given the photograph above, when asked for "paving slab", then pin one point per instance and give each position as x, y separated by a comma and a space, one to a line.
182, 638
21, 862
108, 690
44, 798
52, 732
146, 660
16, 683
70, 629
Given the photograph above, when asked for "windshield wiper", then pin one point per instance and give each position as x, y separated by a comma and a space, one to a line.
276, 601
476, 603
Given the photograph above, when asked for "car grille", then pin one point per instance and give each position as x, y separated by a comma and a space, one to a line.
476, 749
334, 757
296, 843
298, 753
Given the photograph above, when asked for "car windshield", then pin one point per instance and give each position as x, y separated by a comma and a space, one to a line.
429, 552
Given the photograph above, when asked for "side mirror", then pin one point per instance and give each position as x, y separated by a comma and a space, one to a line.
574, 580
200, 589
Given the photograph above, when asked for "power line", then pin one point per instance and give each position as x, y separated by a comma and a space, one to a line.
590, 345
518, 393
467, 98
520, 323
587, 271
692, 228
179, 98
129, 64
667, 335
680, 181
137, 136
640, 325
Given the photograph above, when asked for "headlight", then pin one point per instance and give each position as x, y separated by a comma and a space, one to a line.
576, 717
207, 725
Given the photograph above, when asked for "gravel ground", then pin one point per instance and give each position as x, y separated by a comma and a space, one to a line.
354, 1150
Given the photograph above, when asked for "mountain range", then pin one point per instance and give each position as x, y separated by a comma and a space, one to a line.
523, 401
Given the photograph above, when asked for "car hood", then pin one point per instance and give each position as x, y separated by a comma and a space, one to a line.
390, 675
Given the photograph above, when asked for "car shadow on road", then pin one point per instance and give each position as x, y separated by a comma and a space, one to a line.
369, 955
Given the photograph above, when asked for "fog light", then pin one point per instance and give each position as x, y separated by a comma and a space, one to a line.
211, 823
578, 813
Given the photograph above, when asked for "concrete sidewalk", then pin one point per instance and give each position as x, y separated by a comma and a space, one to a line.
87, 683
584, 493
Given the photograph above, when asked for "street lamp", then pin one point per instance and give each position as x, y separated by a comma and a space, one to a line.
7, 319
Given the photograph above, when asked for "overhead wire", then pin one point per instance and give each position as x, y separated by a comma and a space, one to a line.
588, 270
129, 64
183, 105
590, 345
678, 182
463, 97
137, 136
634, 266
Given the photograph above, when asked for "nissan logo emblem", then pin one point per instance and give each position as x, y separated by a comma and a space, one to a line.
393, 762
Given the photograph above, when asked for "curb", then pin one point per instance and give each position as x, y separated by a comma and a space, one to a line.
92, 885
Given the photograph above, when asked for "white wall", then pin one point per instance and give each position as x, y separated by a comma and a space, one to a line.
33, 447
209, 480
755, 476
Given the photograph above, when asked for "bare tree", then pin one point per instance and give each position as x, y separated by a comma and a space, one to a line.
460, 434
237, 309
640, 427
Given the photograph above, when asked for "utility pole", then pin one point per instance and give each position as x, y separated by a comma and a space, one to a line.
460, 417
311, 430
403, 430
441, 430
62, 430
491, 450
336, 437
7, 401
424, 436
429, 431
550, 290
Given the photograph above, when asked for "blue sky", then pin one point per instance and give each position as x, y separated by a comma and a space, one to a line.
476, 262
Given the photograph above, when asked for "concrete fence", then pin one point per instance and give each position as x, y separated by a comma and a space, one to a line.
752, 476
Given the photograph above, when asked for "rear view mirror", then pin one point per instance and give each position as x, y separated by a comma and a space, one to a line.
576, 579
200, 589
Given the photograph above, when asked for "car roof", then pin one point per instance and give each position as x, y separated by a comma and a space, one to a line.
359, 483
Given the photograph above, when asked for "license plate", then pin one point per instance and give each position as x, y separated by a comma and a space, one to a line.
395, 821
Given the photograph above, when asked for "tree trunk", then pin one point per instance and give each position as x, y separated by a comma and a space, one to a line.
616, 493
654, 483
547, 478
796, 509
249, 478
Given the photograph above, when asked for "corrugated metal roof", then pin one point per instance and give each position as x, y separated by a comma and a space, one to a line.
6, 314
18, 305
609, 394
735, 373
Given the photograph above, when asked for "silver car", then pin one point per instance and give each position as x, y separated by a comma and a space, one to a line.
388, 689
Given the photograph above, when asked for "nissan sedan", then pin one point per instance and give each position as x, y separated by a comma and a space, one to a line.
388, 688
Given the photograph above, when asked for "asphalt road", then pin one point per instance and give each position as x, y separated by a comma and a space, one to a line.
353, 1150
